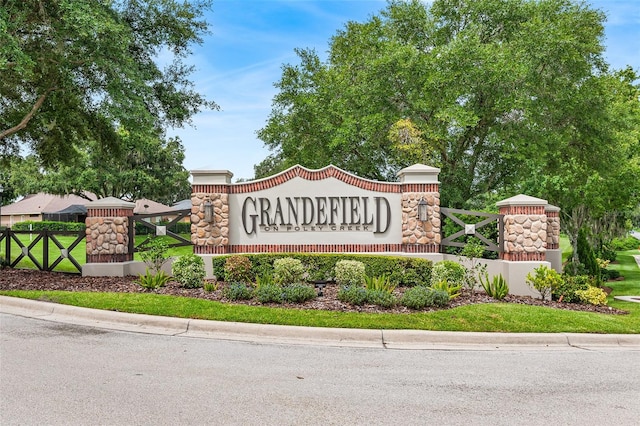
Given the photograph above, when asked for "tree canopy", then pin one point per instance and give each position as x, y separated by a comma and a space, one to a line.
74, 72
145, 167
491, 91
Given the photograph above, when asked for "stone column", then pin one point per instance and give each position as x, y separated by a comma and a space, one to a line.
554, 254
210, 186
525, 228
108, 230
420, 182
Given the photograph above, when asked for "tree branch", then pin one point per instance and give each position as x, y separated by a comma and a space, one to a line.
28, 117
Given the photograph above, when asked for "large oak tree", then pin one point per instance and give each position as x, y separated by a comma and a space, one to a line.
488, 90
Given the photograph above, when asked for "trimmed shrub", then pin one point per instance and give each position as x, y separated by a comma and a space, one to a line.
269, 293
450, 271
420, 297
587, 256
545, 280
402, 270
624, 244
354, 295
350, 273
381, 298
237, 268
570, 284
49, 225
287, 270
189, 271
593, 296
237, 291
299, 293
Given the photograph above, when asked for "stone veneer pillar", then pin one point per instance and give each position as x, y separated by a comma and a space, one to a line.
553, 254
108, 230
525, 228
213, 186
420, 182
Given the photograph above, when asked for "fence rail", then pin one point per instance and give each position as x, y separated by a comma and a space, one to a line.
472, 229
158, 230
30, 251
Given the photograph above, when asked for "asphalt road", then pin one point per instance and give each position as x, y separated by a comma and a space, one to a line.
53, 373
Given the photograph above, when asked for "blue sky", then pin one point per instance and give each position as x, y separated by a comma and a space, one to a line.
238, 64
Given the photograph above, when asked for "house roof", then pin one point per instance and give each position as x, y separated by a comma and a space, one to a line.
145, 206
43, 203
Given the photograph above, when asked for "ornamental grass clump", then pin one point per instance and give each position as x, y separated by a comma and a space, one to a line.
349, 273
496, 287
287, 271
189, 271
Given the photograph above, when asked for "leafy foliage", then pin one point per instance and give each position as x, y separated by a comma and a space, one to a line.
451, 289
29, 225
420, 297
155, 253
497, 287
592, 296
287, 270
379, 284
299, 293
364, 109
153, 280
353, 294
237, 268
545, 280
451, 272
237, 291
350, 273
65, 79
269, 293
189, 271
570, 284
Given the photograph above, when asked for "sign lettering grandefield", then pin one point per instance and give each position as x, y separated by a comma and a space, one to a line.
327, 211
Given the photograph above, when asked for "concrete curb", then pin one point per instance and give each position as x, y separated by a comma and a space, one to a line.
340, 337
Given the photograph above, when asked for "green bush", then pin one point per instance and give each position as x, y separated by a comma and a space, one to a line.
449, 271
154, 253
624, 244
237, 291
237, 268
189, 271
610, 274
570, 284
152, 281
420, 297
354, 295
381, 298
299, 293
402, 270
545, 280
287, 270
49, 225
269, 293
350, 273
593, 296
587, 256
266, 279
210, 286
497, 287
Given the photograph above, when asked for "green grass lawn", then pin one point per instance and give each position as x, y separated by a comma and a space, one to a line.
494, 317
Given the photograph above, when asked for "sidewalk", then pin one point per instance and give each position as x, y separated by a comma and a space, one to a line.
339, 337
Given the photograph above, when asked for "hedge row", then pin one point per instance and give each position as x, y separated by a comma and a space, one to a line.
48, 225
402, 270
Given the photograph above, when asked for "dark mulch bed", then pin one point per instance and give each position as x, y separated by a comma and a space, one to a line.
19, 279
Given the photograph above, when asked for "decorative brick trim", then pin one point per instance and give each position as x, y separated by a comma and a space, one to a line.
552, 246
304, 173
421, 248
210, 189
211, 249
528, 210
552, 213
523, 257
420, 187
92, 212
109, 258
